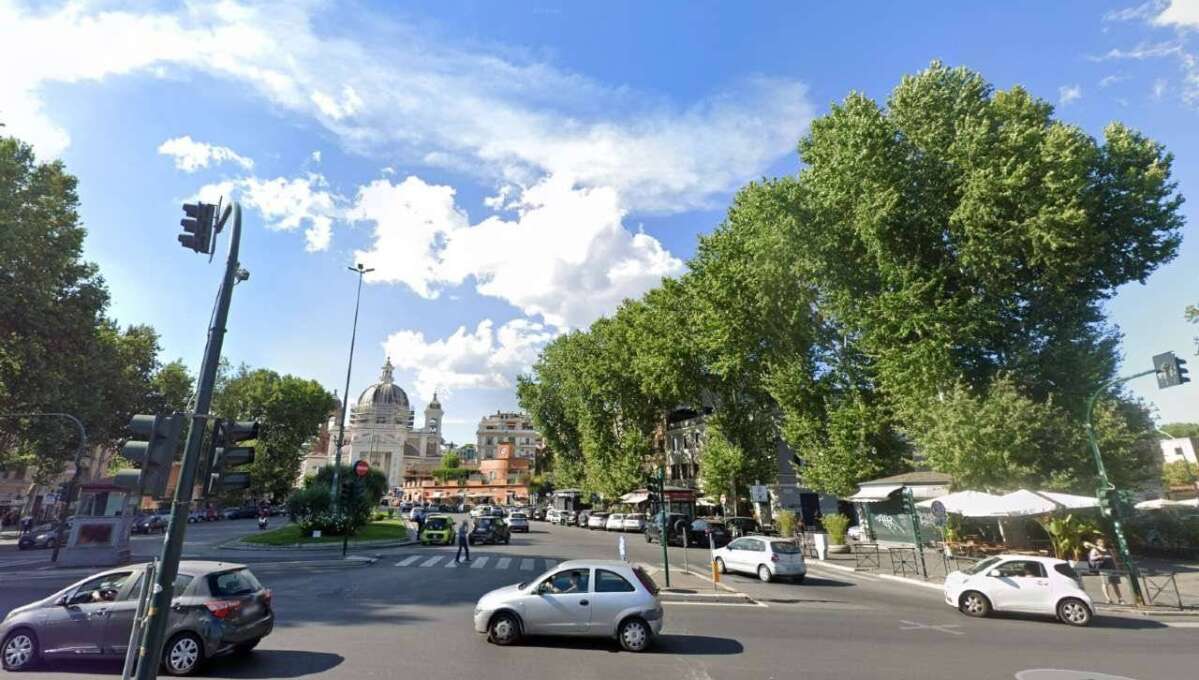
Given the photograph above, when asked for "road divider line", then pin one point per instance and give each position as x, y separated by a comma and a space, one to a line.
431, 561
526, 565
503, 563
406, 561
480, 562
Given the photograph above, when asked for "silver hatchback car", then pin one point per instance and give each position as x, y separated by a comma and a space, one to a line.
600, 598
216, 607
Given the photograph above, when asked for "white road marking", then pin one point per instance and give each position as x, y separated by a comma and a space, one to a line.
408, 560
526, 565
450, 564
912, 625
479, 563
1181, 624
431, 561
503, 563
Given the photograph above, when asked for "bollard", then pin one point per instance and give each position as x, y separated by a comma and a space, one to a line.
715, 573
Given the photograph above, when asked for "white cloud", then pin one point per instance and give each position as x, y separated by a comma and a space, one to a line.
316, 156
1159, 88
484, 358
287, 204
1108, 81
1180, 13
191, 155
1068, 94
1142, 11
566, 256
387, 88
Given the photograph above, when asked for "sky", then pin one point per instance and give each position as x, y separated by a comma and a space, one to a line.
514, 170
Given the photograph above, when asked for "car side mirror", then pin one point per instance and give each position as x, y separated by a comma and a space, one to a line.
994, 573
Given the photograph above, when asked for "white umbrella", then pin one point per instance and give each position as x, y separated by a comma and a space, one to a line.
965, 503
1070, 501
1022, 503
1158, 504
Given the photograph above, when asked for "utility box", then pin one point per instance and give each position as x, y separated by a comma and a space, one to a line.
98, 535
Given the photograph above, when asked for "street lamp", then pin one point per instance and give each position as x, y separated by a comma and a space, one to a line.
345, 397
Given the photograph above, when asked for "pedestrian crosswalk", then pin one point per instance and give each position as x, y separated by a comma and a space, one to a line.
446, 561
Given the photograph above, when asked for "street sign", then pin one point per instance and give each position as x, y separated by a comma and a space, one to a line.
939, 515
361, 468
758, 493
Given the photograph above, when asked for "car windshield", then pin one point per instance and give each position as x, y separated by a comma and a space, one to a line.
483, 523
981, 566
519, 515
785, 547
233, 583
437, 523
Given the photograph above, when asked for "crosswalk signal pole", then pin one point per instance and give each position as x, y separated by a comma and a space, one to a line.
662, 504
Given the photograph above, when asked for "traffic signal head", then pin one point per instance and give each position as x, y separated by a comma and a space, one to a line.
225, 454
1170, 370
198, 226
153, 452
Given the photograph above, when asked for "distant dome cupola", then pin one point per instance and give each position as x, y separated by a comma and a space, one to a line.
384, 392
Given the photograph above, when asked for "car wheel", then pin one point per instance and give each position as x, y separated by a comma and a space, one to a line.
20, 650
1074, 612
634, 635
183, 654
764, 573
974, 603
246, 647
504, 629
720, 566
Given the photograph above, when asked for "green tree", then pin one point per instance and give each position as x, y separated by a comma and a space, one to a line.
1179, 473
1181, 429
289, 411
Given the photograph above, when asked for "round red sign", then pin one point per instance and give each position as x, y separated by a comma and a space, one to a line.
361, 468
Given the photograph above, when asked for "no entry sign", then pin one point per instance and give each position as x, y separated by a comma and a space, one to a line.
361, 468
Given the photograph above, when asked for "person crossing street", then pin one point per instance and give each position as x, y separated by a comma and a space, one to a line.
463, 543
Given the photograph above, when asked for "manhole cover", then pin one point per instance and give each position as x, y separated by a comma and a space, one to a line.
1060, 674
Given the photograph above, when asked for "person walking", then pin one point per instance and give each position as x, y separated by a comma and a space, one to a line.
1101, 560
463, 542
420, 524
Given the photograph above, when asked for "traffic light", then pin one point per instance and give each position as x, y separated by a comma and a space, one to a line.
1170, 370
224, 454
198, 224
153, 456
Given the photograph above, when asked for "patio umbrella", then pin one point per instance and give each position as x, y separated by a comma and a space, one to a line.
1160, 503
965, 503
1023, 503
1070, 501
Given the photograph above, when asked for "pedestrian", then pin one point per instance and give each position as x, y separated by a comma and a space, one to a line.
420, 524
623, 555
1101, 560
463, 543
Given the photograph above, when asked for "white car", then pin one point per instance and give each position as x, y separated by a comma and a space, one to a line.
480, 511
632, 522
597, 520
601, 598
615, 522
551, 515
518, 521
1020, 583
767, 558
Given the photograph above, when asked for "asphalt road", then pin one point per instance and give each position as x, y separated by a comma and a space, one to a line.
409, 614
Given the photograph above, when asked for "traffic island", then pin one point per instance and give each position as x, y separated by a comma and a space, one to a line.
693, 588
382, 534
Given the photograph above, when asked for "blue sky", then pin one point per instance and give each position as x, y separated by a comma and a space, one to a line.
514, 169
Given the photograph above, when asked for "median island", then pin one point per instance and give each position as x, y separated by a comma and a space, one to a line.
293, 535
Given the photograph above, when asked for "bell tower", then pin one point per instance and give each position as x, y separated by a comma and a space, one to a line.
433, 415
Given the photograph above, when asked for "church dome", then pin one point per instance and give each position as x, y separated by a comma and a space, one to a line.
383, 393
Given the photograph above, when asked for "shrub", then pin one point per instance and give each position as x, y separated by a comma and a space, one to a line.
312, 508
785, 519
836, 524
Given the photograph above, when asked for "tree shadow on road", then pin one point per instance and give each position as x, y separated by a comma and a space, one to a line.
690, 645
262, 663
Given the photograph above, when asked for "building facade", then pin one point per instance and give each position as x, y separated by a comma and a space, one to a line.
502, 480
508, 428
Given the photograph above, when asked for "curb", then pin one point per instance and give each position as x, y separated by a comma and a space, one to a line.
707, 598
237, 544
888, 577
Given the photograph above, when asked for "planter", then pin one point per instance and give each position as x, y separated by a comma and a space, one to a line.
838, 548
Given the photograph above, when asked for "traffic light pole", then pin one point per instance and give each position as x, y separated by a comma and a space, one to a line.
1116, 508
665, 535
150, 654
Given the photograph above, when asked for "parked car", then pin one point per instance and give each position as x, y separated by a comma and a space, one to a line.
633, 522
768, 558
232, 513
211, 515
700, 530
438, 530
405, 507
551, 515
539, 514
601, 598
581, 519
416, 513
742, 526
675, 524
481, 511
148, 524
597, 520
568, 518
518, 521
489, 530
196, 516
217, 607
615, 522
43, 536
1020, 583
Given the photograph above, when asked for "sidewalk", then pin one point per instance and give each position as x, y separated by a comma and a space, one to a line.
694, 588
903, 565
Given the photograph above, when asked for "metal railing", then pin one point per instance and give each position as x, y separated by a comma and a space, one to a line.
903, 561
866, 557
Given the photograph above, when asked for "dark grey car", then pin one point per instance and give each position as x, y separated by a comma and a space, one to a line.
217, 607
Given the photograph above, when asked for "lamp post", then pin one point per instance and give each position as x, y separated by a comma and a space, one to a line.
345, 397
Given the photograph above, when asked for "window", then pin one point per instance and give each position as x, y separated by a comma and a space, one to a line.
1022, 568
785, 547
182, 581
980, 567
570, 581
233, 583
611, 582
100, 589
739, 544
1067, 571
755, 545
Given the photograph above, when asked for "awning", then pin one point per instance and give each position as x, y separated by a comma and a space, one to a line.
874, 494
634, 498
965, 503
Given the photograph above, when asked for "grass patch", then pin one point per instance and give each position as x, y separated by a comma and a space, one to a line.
383, 530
